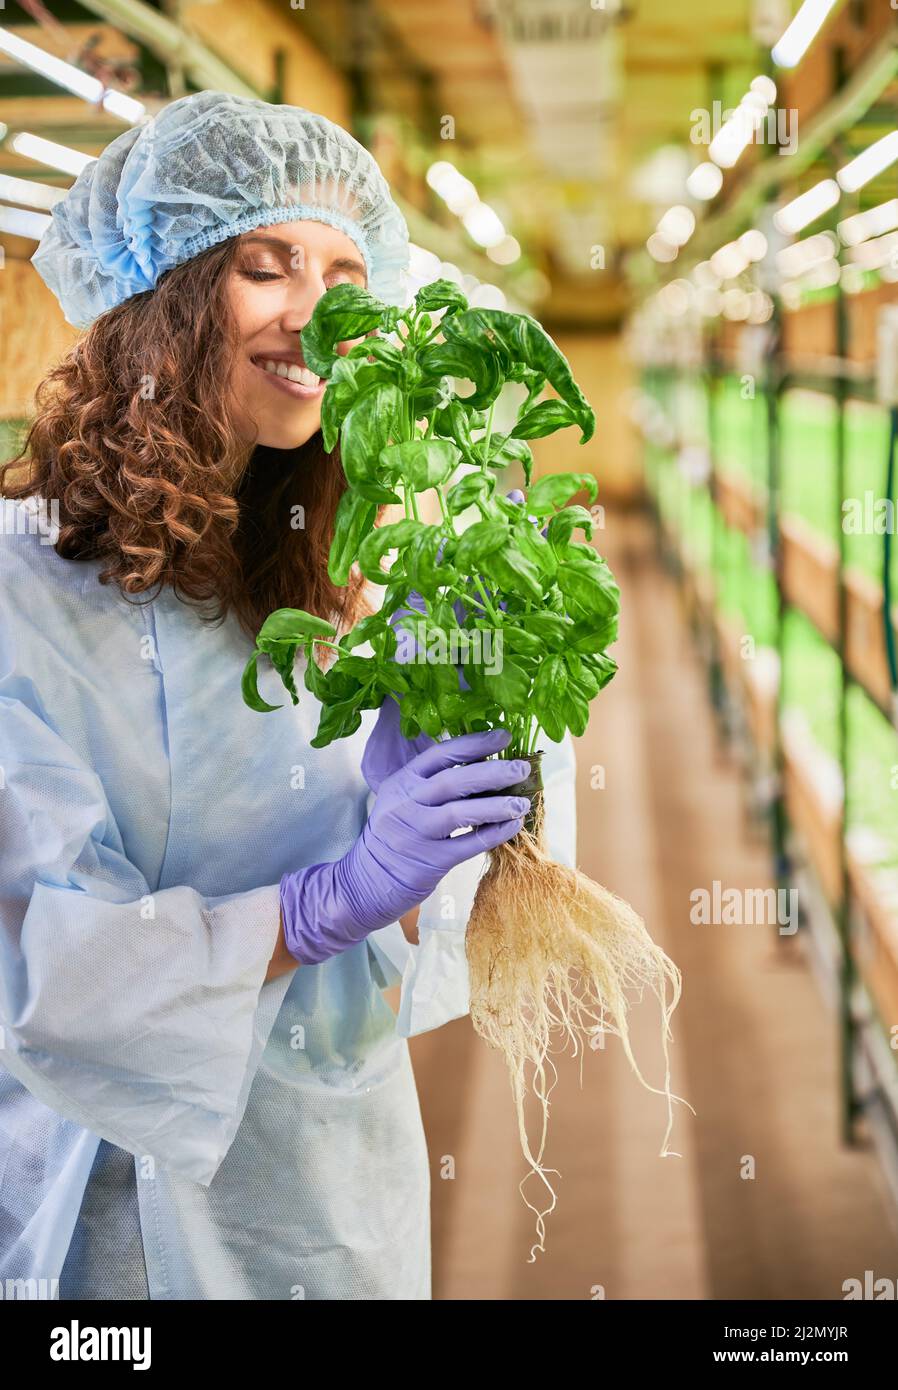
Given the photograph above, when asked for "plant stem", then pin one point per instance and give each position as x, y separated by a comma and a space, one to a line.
489, 607
437, 328
463, 594
486, 438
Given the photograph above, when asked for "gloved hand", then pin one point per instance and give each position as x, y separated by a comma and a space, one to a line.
387, 749
406, 847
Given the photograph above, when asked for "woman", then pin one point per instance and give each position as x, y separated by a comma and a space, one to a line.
205, 1093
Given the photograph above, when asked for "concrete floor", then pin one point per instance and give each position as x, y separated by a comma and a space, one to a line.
754, 1047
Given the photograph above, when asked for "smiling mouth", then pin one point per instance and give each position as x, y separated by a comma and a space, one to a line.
297, 381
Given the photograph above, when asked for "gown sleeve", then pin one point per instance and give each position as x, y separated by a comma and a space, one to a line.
434, 974
139, 1015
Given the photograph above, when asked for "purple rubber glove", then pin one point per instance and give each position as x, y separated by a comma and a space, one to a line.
407, 845
387, 749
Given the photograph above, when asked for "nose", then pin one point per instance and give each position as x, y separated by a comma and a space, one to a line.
303, 294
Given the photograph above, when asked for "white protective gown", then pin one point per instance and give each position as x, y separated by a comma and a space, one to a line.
259, 1141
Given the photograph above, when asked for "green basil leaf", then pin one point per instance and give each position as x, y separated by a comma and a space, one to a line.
576, 551
518, 639
361, 668
472, 488
507, 452
543, 419
383, 538
454, 706
519, 338
335, 406
422, 463
551, 679
424, 573
315, 680
408, 723
250, 687
536, 548
455, 419
591, 586
555, 488
508, 687
565, 522
368, 629
337, 721
594, 634
548, 689
512, 571
383, 352
466, 362
428, 717
440, 294
444, 615
344, 311
574, 710
555, 631
367, 429
293, 625
477, 542
282, 656
354, 519
392, 678
581, 675
349, 379
605, 667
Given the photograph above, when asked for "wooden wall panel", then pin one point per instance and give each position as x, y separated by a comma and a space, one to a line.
247, 34
33, 332
605, 376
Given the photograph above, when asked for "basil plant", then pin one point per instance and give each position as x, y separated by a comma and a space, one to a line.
512, 619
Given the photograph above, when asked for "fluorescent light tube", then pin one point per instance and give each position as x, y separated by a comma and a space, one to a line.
48, 152
795, 42
807, 207
871, 162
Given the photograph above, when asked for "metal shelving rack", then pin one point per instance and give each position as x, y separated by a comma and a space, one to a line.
868, 1065
868, 1068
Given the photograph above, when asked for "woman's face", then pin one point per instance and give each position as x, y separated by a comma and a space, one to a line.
278, 275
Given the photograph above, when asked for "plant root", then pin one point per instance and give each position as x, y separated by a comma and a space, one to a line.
551, 952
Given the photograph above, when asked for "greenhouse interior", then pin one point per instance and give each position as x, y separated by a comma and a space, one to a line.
692, 211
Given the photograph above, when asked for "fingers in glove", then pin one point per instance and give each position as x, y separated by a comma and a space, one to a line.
464, 748
485, 838
470, 778
486, 810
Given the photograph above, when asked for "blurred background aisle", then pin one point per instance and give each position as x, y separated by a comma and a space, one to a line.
753, 1052
698, 201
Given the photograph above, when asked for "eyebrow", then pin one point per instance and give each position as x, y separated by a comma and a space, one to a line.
284, 248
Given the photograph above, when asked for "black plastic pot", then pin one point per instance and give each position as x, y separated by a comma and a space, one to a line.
531, 786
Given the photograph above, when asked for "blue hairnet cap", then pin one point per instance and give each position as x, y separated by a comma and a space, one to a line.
210, 166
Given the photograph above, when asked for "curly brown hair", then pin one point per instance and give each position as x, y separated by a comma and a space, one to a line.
133, 440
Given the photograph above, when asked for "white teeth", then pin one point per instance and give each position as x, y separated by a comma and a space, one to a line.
290, 371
